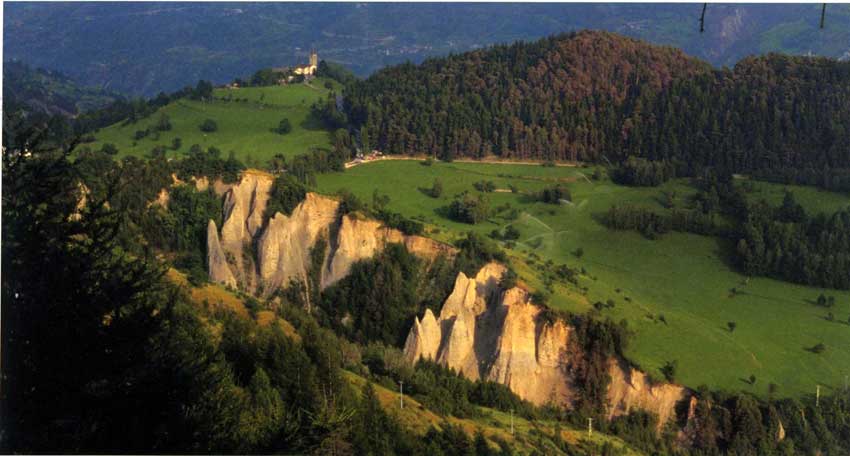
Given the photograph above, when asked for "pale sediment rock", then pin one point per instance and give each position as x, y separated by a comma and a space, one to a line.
265, 255
630, 388
358, 239
497, 335
283, 250
216, 259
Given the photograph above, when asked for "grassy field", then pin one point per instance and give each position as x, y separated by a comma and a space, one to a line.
686, 278
246, 119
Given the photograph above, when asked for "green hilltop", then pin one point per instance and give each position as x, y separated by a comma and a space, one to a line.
246, 119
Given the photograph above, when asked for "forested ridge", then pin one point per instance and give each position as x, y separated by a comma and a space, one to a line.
592, 96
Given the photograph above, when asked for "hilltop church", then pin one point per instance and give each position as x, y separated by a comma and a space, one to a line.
310, 68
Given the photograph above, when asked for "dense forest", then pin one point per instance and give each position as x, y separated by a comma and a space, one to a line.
595, 96
788, 244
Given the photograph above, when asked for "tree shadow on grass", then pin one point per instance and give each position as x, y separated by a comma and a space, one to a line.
426, 191
313, 123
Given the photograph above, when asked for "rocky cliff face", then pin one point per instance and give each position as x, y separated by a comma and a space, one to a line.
260, 256
493, 334
360, 238
284, 248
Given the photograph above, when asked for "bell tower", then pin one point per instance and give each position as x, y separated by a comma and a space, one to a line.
314, 58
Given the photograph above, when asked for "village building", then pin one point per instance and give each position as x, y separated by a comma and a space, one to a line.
310, 68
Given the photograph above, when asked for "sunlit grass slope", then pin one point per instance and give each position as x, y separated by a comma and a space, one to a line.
246, 119
684, 277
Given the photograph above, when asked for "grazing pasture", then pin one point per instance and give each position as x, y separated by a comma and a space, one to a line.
678, 293
246, 120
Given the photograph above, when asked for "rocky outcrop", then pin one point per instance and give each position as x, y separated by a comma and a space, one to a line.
488, 333
284, 248
162, 199
265, 255
630, 388
216, 259
424, 338
360, 238
244, 206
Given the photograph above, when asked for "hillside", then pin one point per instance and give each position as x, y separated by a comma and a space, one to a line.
226, 41
585, 245
683, 278
595, 96
530, 434
246, 120
49, 92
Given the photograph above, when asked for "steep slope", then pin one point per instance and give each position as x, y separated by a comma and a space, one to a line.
261, 256
51, 92
488, 333
493, 424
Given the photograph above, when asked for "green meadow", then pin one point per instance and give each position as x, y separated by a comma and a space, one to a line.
687, 279
246, 119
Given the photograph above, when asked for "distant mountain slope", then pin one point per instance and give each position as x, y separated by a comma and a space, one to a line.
595, 96
50, 92
142, 48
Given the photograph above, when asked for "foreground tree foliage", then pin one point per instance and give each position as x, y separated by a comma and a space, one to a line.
77, 310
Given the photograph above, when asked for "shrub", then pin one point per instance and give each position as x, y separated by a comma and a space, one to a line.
109, 149
469, 209
669, 371
555, 194
436, 189
163, 123
511, 233
208, 126
508, 280
286, 194
484, 186
284, 127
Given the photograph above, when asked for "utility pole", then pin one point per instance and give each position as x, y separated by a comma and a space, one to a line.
590, 427
817, 396
401, 390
